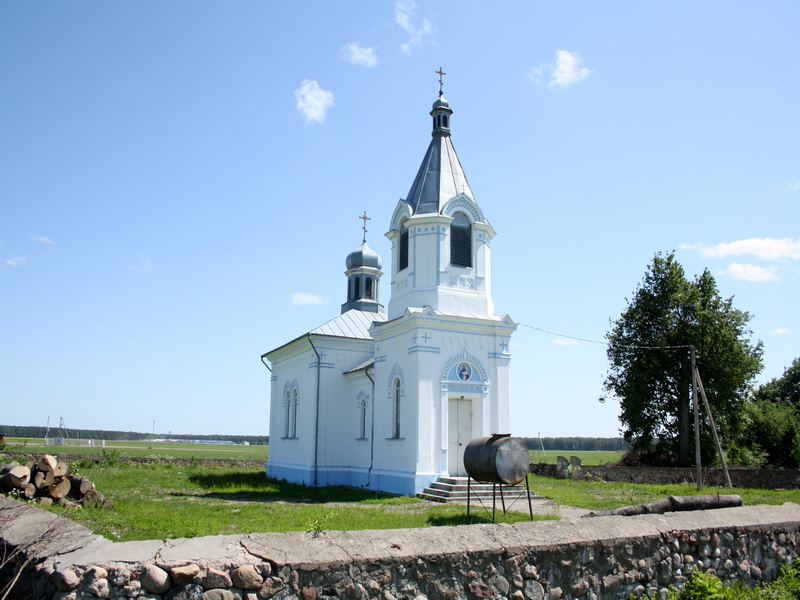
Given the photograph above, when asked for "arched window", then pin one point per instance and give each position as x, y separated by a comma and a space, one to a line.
461, 241
362, 419
287, 404
356, 288
293, 422
403, 262
368, 288
396, 394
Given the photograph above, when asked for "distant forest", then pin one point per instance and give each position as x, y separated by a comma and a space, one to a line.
576, 443
550, 443
133, 436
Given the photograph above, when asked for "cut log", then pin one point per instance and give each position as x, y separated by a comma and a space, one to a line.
29, 490
44, 501
93, 497
47, 463
38, 479
80, 485
674, 504
31, 464
67, 503
49, 478
6, 468
14, 478
108, 505
60, 488
86, 485
60, 469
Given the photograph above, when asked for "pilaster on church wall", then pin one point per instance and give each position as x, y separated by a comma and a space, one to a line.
429, 367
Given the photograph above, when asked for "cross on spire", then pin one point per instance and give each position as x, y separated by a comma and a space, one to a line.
441, 83
365, 218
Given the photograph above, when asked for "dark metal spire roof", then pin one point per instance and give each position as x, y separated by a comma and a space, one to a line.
440, 177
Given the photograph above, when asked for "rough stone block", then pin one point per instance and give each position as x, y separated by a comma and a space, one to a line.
219, 594
66, 580
216, 579
187, 591
154, 579
247, 577
183, 574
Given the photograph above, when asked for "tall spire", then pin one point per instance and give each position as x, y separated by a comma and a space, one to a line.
440, 177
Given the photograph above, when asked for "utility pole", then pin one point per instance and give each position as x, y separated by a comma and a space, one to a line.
698, 465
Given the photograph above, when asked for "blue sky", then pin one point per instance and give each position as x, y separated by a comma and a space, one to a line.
180, 184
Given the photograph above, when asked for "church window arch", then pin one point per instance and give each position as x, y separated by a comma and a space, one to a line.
293, 431
287, 399
403, 254
291, 398
397, 394
356, 288
368, 288
361, 405
461, 240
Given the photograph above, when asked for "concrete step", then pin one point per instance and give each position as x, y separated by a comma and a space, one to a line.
457, 490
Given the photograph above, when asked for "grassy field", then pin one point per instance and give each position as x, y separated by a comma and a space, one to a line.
157, 501
601, 495
160, 500
588, 457
163, 450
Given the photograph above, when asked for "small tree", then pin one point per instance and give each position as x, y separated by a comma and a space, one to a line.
650, 367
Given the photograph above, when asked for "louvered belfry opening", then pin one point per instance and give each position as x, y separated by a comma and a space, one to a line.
403, 249
461, 241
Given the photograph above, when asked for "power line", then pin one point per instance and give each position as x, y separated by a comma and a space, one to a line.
588, 341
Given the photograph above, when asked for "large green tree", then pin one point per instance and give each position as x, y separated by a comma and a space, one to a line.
771, 435
650, 362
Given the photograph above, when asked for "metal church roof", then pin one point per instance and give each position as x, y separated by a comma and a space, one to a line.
352, 324
440, 178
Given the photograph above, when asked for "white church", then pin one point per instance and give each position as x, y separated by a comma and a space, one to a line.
388, 399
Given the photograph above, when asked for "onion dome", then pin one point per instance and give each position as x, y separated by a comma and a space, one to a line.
364, 256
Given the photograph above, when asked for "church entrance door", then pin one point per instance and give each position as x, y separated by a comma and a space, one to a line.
459, 435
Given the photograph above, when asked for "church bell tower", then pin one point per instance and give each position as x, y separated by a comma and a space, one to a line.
440, 237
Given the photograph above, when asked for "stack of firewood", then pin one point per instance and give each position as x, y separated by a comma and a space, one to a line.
46, 481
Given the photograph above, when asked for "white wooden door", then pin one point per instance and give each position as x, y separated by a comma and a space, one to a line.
458, 435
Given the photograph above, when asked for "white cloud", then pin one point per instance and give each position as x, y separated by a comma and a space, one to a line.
42, 239
15, 261
793, 186
312, 101
140, 265
301, 298
763, 248
781, 331
404, 12
566, 342
748, 272
359, 55
567, 70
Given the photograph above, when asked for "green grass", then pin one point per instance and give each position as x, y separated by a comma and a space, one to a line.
158, 501
588, 457
164, 450
601, 495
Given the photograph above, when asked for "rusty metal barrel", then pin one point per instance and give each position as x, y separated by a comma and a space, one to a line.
497, 459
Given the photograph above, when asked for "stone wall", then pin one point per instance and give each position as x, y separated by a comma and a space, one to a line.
592, 558
745, 478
